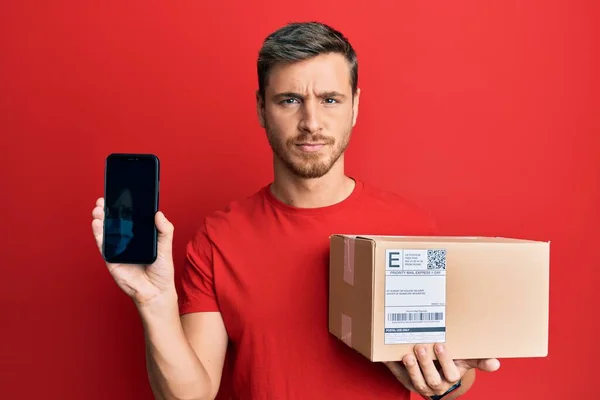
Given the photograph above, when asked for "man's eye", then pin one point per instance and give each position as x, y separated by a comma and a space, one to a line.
331, 101
290, 101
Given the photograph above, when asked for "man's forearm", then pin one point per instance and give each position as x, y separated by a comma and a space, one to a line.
150, 367
174, 370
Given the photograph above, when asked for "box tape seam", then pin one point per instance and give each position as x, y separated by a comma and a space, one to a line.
349, 244
347, 329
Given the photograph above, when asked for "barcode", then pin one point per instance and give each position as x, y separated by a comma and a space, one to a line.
424, 316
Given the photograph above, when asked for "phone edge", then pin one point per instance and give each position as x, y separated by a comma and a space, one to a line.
156, 202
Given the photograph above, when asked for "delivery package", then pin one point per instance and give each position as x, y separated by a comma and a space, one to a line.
484, 297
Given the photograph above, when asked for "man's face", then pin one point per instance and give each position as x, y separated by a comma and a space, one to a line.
309, 112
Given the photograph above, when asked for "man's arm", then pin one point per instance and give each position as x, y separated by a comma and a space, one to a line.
185, 355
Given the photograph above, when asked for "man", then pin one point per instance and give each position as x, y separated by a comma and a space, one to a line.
255, 276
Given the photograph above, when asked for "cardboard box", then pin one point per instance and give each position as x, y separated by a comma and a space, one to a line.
484, 297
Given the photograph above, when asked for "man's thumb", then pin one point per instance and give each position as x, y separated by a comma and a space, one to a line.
165, 229
487, 365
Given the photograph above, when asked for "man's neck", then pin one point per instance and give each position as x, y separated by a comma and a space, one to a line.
330, 189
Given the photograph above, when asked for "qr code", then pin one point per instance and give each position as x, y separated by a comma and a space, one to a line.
436, 259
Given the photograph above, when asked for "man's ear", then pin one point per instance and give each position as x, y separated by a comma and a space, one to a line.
260, 109
355, 101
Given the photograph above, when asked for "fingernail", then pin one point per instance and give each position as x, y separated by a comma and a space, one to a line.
409, 361
421, 351
439, 348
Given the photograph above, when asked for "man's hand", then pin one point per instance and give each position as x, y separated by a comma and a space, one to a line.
143, 283
419, 373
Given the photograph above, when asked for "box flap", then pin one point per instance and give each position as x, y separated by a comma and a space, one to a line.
441, 239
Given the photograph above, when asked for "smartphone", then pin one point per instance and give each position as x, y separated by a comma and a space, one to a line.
131, 189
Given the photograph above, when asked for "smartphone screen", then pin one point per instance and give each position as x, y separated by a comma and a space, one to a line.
131, 190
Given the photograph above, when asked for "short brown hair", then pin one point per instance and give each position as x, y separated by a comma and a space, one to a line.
299, 41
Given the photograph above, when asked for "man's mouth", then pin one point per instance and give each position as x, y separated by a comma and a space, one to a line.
310, 147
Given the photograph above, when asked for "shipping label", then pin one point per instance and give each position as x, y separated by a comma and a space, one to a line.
415, 296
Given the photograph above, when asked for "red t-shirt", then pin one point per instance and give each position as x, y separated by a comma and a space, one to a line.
264, 265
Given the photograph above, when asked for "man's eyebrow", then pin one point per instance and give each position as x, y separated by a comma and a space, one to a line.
288, 94
323, 95
333, 93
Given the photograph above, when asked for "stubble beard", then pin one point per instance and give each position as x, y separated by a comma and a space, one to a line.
307, 165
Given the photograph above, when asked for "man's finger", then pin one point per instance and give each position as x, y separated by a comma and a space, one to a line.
98, 213
97, 230
429, 371
449, 368
416, 376
98, 223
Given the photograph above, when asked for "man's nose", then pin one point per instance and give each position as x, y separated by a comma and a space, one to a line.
310, 122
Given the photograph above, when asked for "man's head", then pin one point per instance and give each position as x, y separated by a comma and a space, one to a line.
308, 95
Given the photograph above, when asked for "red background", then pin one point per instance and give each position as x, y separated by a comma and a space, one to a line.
484, 112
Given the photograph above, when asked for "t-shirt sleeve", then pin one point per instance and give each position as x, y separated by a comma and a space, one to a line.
197, 277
